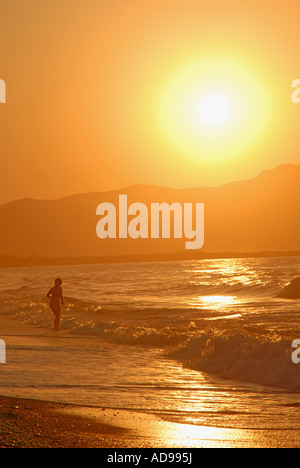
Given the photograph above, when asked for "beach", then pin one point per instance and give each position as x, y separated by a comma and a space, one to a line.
199, 360
39, 424
36, 424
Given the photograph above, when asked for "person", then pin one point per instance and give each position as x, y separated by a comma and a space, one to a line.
56, 296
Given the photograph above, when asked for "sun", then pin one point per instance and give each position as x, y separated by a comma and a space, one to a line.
214, 109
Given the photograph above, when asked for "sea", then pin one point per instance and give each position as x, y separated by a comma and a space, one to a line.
205, 342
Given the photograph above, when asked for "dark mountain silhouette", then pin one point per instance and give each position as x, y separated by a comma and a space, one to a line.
261, 214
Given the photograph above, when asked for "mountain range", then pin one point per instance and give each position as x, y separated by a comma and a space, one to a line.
261, 214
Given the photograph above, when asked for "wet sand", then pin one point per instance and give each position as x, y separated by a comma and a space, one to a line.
38, 424
34, 424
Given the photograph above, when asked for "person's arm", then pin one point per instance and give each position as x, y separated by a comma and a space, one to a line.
61, 297
49, 294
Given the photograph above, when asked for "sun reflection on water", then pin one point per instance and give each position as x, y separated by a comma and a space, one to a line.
218, 302
188, 435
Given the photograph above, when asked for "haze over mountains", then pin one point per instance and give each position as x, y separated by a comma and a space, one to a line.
261, 214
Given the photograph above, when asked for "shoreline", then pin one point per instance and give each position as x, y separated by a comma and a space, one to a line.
8, 261
27, 423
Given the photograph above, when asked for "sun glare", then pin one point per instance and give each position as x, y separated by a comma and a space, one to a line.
214, 109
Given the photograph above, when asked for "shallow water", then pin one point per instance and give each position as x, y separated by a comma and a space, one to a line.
202, 342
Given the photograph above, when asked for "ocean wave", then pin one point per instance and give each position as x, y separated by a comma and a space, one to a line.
291, 290
222, 288
243, 355
116, 333
83, 318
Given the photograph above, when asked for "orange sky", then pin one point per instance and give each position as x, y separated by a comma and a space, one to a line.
86, 82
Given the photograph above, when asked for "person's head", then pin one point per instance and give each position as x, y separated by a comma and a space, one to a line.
58, 282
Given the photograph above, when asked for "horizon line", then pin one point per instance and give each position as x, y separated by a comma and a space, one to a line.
12, 261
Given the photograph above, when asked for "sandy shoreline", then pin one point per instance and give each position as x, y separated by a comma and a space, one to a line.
35, 424
28, 423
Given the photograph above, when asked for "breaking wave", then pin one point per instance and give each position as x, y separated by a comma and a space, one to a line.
244, 355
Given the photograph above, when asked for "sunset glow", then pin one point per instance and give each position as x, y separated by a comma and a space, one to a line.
200, 121
124, 108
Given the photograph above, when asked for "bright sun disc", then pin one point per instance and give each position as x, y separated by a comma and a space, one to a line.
214, 109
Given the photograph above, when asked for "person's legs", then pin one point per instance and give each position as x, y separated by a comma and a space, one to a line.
56, 320
56, 312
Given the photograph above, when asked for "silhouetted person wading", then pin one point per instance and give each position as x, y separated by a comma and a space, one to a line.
55, 294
